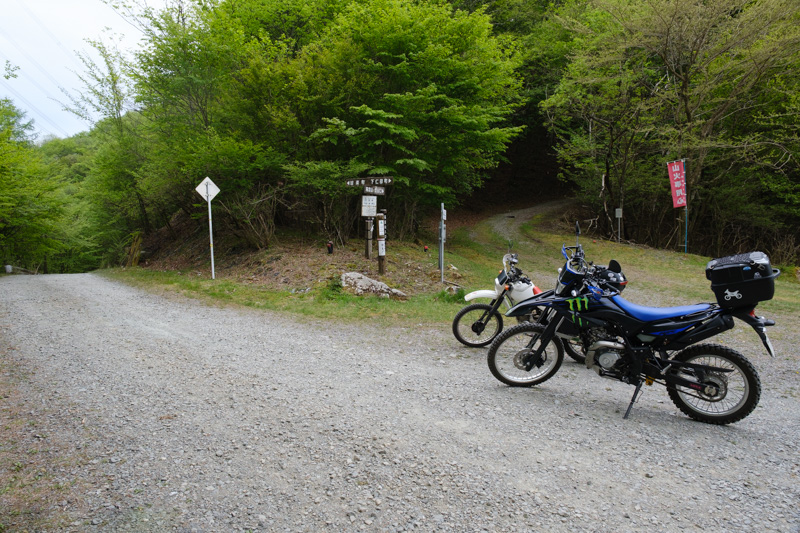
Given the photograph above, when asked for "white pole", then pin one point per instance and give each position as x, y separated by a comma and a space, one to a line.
686, 211
441, 243
210, 232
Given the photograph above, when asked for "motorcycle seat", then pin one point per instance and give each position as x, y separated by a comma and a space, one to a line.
650, 314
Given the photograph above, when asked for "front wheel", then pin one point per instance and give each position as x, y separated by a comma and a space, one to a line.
512, 349
730, 393
477, 325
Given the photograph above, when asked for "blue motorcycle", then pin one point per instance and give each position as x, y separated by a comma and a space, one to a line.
641, 345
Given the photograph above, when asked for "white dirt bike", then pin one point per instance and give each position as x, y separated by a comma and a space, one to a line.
477, 324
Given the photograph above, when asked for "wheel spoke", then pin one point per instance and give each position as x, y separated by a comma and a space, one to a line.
510, 352
477, 325
730, 388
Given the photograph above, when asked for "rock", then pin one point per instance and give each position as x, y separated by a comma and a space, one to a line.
361, 284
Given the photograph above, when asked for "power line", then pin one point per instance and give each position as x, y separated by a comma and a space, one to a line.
8, 30
29, 58
35, 109
45, 29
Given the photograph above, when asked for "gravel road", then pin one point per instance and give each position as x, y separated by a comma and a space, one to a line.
184, 417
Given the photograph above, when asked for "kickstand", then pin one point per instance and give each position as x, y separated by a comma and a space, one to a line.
633, 400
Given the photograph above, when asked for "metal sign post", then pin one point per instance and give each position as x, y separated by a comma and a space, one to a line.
442, 230
618, 212
208, 190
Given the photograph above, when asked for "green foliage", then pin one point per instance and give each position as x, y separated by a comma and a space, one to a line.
295, 22
650, 82
415, 91
281, 101
451, 297
333, 291
323, 185
29, 206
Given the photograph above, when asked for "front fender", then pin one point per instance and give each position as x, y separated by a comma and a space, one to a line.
485, 293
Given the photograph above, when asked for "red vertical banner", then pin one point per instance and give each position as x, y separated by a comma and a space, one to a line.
677, 182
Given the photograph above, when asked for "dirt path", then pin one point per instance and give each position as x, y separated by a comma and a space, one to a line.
509, 224
138, 413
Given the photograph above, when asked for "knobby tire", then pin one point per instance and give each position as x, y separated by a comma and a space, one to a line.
741, 387
509, 348
466, 317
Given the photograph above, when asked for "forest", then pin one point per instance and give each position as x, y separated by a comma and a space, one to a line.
280, 102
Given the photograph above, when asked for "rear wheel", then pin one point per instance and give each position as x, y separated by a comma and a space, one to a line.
477, 325
729, 393
512, 349
574, 348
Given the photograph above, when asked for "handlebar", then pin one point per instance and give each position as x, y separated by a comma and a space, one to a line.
577, 257
510, 266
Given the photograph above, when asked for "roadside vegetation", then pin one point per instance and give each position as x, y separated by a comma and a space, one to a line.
310, 285
281, 102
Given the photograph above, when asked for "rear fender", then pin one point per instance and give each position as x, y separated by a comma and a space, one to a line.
759, 324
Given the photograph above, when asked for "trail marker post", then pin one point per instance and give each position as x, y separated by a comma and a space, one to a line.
372, 188
208, 190
381, 217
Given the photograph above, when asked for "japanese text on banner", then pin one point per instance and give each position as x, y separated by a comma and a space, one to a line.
677, 182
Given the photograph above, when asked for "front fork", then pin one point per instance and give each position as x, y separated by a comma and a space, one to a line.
534, 358
479, 325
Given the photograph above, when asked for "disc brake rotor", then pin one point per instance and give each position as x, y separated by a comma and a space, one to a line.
519, 359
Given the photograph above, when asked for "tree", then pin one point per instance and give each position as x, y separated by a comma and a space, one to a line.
29, 207
204, 83
654, 80
67, 163
413, 90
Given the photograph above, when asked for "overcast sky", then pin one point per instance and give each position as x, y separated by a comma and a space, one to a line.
41, 38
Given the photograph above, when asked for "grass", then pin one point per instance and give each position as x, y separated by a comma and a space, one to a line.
325, 301
475, 252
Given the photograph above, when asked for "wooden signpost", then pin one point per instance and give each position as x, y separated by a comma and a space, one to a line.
372, 188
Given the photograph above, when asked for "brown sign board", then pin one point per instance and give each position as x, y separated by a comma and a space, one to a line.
364, 182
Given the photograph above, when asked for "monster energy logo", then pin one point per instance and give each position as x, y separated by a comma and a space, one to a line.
576, 305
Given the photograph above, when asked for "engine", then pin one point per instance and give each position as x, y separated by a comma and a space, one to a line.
604, 351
